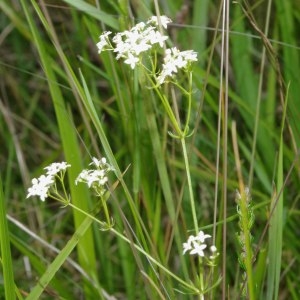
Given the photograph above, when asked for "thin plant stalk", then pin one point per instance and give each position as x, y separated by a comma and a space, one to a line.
141, 250
189, 181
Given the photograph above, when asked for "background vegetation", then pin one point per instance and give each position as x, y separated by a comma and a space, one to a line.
60, 100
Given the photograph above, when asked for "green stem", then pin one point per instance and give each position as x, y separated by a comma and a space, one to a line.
167, 106
150, 258
186, 127
189, 181
85, 213
201, 277
106, 211
141, 250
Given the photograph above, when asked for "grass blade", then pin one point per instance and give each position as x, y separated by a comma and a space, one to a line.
291, 62
79, 194
276, 225
60, 259
6, 259
93, 11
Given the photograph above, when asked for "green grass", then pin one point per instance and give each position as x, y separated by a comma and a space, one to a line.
61, 100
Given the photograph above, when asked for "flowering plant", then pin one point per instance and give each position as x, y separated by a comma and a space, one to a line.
144, 49
47, 184
142, 46
196, 245
96, 178
145, 41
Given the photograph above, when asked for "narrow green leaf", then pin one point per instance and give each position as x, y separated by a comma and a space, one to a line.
94, 12
291, 61
6, 258
79, 194
276, 225
60, 259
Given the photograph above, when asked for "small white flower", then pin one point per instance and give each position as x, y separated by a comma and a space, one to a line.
195, 244
201, 236
40, 187
139, 26
118, 37
131, 60
174, 60
189, 55
198, 249
55, 168
96, 178
163, 19
98, 162
92, 177
140, 47
214, 252
101, 164
104, 41
122, 49
141, 38
132, 36
168, 71
188, 245
155, 37
213, 249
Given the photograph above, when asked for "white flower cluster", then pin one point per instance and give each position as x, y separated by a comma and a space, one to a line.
96, 178
130, 44
196, 245
174, 60
41, 185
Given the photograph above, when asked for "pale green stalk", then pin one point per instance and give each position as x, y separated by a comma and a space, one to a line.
189, 181
186, 127
185, 156
201, 274
168, 109
182, 135
141, 250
